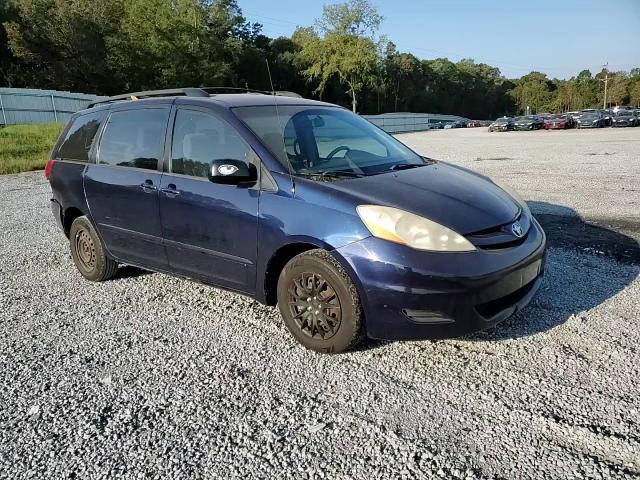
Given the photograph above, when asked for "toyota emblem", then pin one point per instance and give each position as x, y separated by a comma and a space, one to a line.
516, 229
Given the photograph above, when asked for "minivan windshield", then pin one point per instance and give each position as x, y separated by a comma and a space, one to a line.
326, 140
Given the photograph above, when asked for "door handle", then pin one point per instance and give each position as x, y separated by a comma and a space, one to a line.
170, 190
148, 186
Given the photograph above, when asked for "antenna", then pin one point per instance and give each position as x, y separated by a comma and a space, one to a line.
284, 147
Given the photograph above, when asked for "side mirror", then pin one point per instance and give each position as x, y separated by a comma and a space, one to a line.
233, 172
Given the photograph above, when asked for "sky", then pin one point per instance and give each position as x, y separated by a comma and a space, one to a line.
559, 38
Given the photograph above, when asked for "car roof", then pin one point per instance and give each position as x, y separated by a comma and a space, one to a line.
231, 100
225, 100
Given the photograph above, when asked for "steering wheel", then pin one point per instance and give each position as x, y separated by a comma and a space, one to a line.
336, 150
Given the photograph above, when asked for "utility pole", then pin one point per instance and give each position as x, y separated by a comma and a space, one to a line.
606, 81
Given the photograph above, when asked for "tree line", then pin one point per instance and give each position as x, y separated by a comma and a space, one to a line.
113, 46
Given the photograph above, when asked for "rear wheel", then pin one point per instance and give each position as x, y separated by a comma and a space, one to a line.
319, 303
88, 253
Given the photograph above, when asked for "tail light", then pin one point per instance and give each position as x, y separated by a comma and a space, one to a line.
48, 168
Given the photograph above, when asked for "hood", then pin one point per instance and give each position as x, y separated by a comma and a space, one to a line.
452, 196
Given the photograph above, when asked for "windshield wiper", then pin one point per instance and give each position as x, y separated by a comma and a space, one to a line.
406, 166
332, 174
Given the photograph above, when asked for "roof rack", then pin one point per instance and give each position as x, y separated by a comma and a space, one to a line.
188, 92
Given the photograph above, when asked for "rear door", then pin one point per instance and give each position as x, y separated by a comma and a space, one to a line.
71, 154
122, 186
210, 230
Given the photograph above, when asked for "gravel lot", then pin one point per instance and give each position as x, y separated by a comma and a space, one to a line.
151, 376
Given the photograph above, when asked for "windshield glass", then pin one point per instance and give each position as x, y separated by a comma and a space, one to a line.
624, 113
326, 139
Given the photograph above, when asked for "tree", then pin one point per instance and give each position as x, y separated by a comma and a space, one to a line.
164, 43
357, 18
59, 44
634, 94
401, 66
534, 91
111, 46
8, 13
618, 89
343, 47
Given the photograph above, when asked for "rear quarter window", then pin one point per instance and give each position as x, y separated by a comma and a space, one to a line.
134, 138
80, 136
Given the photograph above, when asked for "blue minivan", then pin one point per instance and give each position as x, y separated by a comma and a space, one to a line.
297, 203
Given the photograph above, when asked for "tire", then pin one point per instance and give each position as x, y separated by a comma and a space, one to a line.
88, 252
319, 303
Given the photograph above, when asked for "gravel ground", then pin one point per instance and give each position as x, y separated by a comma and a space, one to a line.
150, 376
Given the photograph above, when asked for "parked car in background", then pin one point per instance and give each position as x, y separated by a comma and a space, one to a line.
574, 115
606, 115
436, 126
528, 122
456, 124
503, 124
590, 119
297, 203
625, 118
557, 122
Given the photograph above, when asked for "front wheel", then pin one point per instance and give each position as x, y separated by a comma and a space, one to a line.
319, 303
88, 253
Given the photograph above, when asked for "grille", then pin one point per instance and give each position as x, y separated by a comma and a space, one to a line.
500, 236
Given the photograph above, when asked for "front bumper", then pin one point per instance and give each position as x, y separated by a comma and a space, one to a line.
409, 295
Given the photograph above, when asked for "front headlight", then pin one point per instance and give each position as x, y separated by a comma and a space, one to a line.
412, 230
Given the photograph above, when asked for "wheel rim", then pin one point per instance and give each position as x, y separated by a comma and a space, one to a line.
85, 250
314, 306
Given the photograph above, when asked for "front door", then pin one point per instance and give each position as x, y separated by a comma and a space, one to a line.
122, 186
210, 230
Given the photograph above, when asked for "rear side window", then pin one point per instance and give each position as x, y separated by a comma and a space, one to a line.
134, 138
80, 136
199, 138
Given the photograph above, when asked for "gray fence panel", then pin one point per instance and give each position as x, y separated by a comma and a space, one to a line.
410, 122
24, 105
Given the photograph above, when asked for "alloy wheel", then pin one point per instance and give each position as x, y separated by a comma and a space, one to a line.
314, 306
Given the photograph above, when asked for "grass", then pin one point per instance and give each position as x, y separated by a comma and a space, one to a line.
26, 147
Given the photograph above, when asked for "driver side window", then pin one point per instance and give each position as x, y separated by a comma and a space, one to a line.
199, 138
